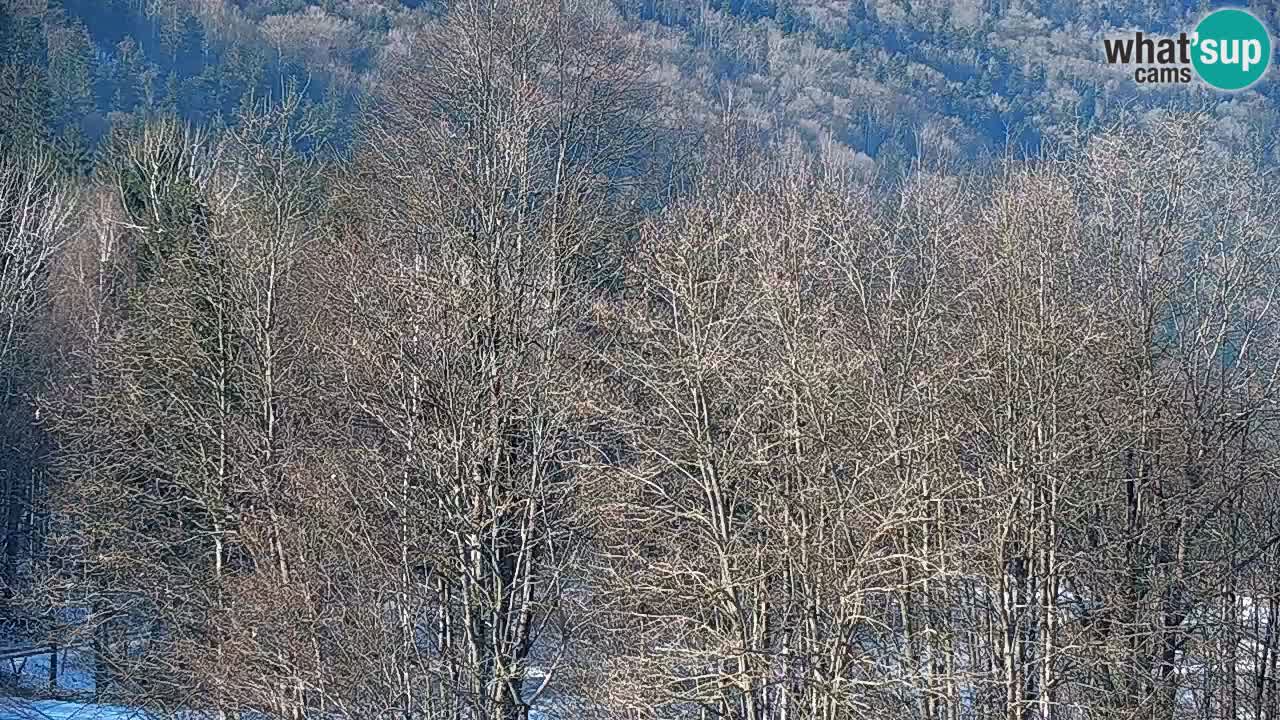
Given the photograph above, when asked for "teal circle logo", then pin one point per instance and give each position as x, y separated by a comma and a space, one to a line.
1232, 49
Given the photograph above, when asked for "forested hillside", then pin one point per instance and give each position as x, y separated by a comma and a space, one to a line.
751, 360
948, 80
885, 81
75, 70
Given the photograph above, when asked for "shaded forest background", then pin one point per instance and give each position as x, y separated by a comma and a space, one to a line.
574, 358
888, 81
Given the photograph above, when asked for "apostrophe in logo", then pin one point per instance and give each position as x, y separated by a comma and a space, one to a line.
1230, 50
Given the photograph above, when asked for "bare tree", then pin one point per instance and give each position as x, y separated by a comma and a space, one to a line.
35, 208
483, 205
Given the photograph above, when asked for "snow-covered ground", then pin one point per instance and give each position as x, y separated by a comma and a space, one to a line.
75, 670
75, 678
17, 709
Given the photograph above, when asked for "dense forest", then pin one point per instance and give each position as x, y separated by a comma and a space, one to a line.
886, 82
750, 360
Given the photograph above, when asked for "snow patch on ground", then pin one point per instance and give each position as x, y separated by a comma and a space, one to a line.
75, 670
17, 709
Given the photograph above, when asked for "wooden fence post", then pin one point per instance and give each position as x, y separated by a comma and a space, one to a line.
53, 667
